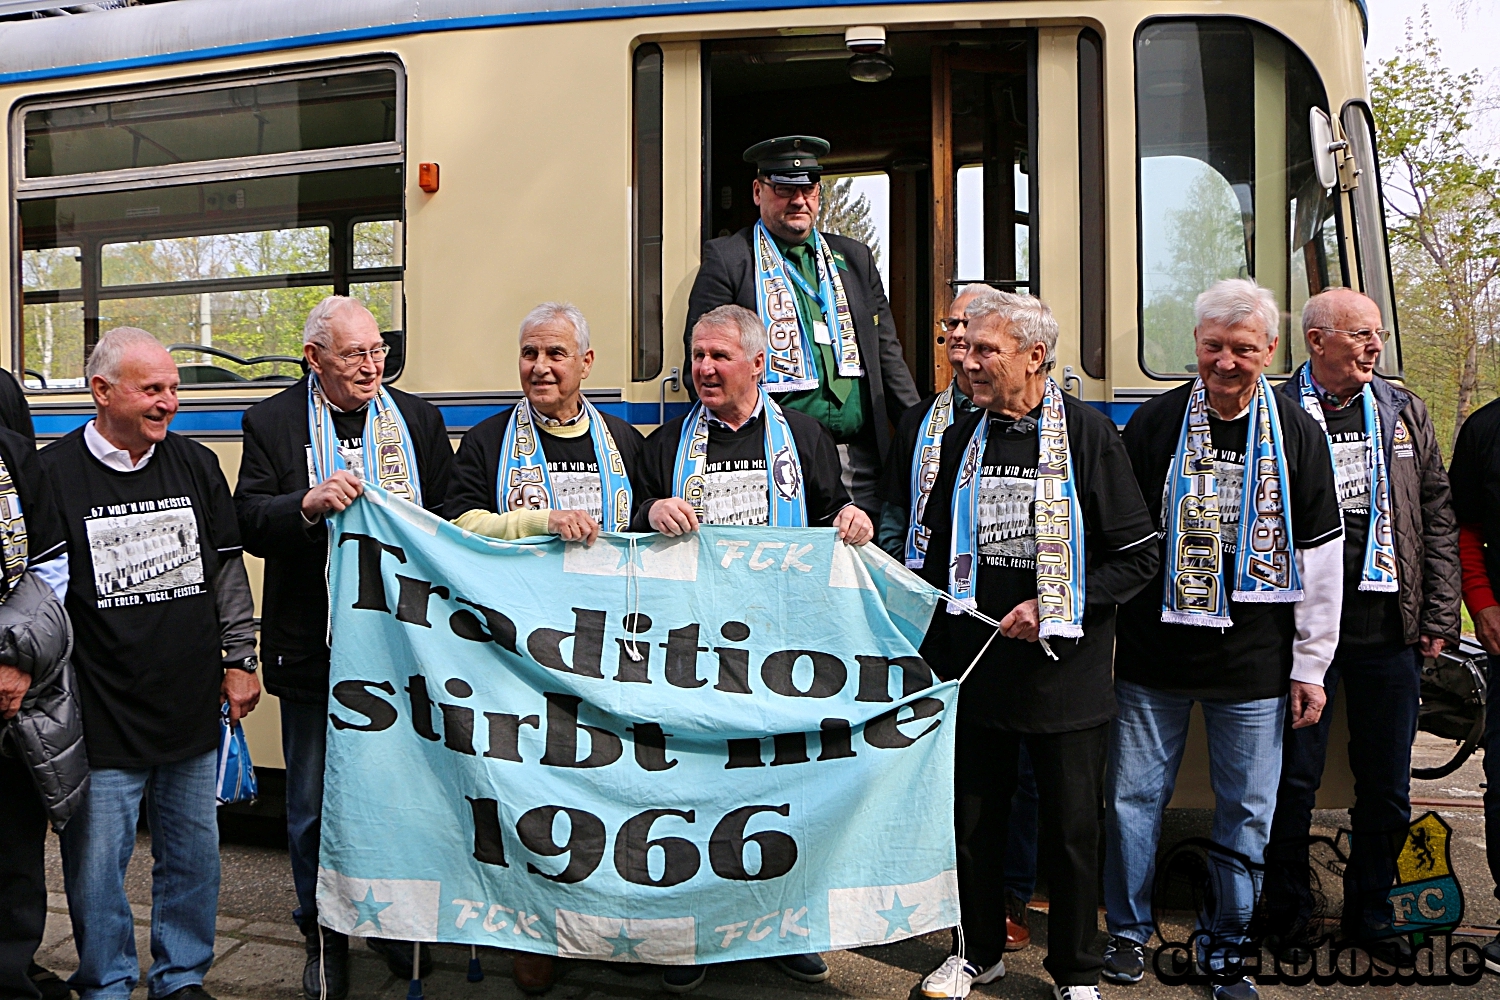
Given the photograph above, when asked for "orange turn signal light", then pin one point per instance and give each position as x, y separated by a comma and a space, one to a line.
427, 177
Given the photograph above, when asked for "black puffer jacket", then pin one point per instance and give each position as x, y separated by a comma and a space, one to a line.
1426, 528
37, 638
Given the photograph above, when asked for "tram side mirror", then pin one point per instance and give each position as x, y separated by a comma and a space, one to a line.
1324, 147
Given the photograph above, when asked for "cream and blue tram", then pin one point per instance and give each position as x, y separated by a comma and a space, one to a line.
208, 169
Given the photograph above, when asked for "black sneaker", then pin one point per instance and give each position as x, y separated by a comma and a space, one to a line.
48, 983
326, 974
1395, 950
397, 955
195, 991
683, 978
1491, 954
1124, 960
806, 968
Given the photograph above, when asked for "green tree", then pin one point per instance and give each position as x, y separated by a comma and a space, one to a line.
843, 216
1443, 216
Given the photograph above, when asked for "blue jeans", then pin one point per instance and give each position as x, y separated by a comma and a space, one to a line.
1020, 843
304, 737
1382, 686
96, 847
1244, 759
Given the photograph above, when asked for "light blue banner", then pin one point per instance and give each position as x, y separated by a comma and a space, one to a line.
676, 751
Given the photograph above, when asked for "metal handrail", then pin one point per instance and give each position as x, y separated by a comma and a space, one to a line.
674, 377
35, 374
259, 359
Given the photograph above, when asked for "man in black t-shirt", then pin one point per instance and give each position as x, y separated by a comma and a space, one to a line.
288, 482
1400, 600
163, 626
1032, 683
737, 427
554, 464
1239, 658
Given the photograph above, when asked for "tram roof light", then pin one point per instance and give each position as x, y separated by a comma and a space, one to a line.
867, 38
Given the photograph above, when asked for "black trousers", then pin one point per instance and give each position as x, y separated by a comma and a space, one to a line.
1069, 769
1383, 688
23, 877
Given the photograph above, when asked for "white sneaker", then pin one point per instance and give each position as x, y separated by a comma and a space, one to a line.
952, 979
1075, 992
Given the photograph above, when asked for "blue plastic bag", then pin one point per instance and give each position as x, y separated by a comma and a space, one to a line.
236, 773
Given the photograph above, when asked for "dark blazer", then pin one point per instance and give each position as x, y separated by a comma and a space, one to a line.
727, 276
268, 502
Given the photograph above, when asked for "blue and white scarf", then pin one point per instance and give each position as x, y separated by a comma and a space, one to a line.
1265, 567
390, 460
788, 504
1057, 519
1379, 573
926, 458
790, 366
522, 480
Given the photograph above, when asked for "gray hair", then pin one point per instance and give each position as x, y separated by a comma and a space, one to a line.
317, 329
1325, 309
551, 312
973, 288
1235, 301
1029, 320
111, 350
752, 332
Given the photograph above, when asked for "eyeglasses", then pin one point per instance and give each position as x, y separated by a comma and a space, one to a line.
355, 359
790, 191
1362, 336
949, 324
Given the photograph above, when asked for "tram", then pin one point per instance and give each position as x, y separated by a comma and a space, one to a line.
209, 169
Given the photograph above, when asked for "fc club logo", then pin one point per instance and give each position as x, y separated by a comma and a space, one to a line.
1426, 896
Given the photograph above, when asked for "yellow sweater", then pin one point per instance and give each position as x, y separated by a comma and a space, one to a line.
526, 522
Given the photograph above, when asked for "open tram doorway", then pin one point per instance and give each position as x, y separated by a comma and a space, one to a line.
943, 152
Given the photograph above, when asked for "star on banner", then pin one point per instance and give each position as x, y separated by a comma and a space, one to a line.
623, 944
367, 910
898, 917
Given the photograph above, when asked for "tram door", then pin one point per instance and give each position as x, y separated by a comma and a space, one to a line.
941, 150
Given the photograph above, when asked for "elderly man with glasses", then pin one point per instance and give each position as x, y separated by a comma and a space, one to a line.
1401, 594
832, 351
308, 452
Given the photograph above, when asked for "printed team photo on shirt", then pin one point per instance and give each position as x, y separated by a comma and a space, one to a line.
145, 550
352, 450
1007, 538
1229, 474
575, 486
734, 492
1351, 471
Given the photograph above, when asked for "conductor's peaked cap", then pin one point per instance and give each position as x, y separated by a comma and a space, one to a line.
791, 159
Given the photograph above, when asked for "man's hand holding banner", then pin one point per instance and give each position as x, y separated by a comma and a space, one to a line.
716, 747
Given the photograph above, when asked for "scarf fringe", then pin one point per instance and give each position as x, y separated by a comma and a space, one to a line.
960, 605
1188, 618
1061, 630
791, 385
1266, 596
1380, 586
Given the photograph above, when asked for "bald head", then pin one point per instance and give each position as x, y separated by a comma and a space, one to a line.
1337, 308
134, 383
1343, 333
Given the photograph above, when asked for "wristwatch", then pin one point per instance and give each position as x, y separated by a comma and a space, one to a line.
248, 665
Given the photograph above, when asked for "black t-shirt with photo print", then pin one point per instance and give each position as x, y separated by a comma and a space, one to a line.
144, 549
736, 488
571, 466
1369, 618
1252, 658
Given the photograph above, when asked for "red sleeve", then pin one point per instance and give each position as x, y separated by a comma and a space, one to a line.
1478, 593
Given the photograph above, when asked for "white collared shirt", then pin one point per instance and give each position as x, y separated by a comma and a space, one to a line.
114, 458
760, 404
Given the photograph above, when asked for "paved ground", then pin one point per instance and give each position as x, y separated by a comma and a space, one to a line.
260, 952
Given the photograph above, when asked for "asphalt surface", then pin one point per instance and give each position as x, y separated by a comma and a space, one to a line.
260, 953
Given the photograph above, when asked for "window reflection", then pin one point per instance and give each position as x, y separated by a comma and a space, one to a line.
1227, 187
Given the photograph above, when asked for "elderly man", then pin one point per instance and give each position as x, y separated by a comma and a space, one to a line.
1035, 521
579, 479
739, 458
308, 452
36, 718
1401, 594
1244, 613
163, 626
832, 347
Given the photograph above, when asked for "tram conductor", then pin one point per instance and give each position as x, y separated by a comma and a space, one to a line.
832, 351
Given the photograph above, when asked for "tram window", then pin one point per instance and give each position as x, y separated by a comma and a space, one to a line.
859, 206
971, 228
1227, 185
1091, 201
213, 215
319, 111
1369, 226
647, 258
